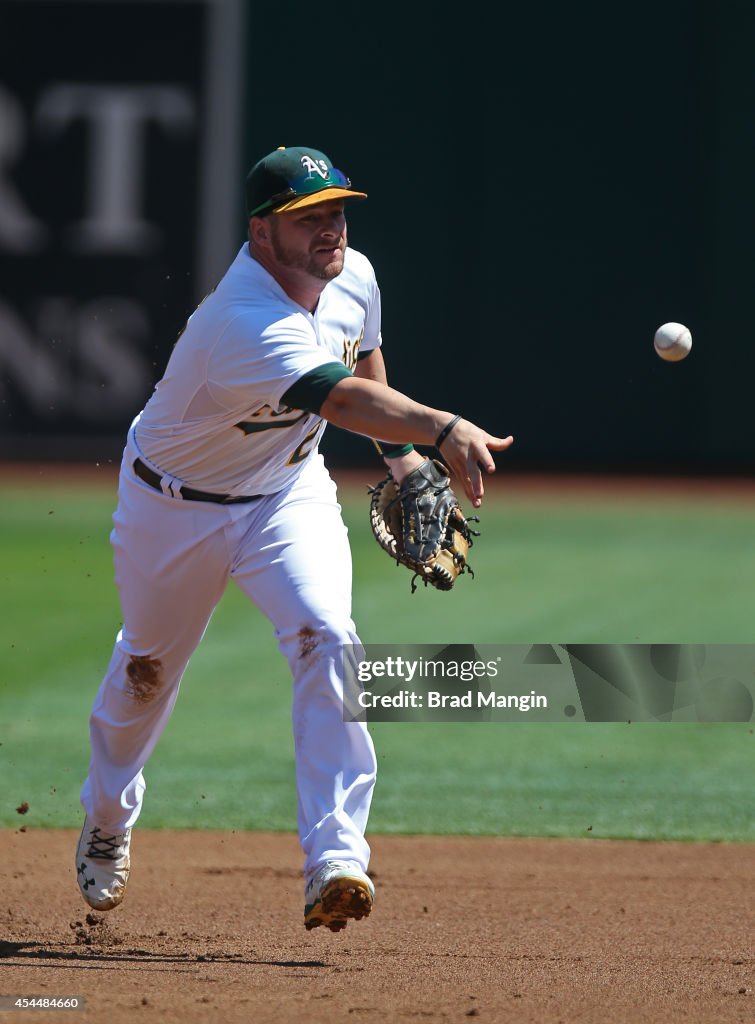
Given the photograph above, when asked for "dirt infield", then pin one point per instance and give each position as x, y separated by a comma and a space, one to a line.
496, 929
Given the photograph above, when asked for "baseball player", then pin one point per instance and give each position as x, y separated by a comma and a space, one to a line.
222, 479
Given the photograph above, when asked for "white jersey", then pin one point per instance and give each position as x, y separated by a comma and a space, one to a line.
215, 421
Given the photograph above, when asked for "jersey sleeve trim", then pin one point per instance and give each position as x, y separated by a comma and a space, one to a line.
310, 390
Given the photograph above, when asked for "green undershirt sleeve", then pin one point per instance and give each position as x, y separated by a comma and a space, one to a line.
311, 390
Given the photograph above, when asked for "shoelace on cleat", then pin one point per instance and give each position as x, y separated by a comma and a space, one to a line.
103, 847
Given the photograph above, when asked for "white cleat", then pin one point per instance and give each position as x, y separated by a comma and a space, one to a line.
337, 894
103, 864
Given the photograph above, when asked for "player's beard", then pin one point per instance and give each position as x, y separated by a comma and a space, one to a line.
307, 262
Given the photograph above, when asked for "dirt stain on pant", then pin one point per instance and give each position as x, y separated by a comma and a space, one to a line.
143, 677
308, 641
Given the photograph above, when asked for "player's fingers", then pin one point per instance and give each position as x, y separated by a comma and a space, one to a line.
474, 494
499, 444
476, 487
461, 472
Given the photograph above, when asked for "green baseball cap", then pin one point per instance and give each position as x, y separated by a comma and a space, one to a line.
289, 178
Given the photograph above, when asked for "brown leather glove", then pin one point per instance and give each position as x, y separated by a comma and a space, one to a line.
421, 525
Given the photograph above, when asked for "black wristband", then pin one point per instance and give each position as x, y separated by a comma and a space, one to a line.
446, 431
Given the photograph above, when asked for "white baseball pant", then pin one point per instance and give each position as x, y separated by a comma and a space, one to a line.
289, 553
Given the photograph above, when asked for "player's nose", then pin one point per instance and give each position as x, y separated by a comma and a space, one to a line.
332, 229
333, 221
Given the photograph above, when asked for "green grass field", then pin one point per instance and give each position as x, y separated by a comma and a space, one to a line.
591, 570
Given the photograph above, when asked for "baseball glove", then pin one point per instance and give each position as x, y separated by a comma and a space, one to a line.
420, 524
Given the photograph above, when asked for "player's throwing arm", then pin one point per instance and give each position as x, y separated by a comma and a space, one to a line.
368, 407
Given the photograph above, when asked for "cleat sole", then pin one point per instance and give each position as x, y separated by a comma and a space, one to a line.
343, 900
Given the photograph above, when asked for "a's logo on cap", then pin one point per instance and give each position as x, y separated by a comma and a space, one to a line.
315, 167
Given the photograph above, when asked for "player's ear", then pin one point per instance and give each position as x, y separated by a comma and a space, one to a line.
259, 231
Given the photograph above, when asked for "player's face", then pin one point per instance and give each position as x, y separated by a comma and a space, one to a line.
312, 239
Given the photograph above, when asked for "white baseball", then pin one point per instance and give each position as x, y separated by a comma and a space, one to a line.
672, 342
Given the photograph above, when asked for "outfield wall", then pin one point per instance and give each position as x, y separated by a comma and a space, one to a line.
542, 197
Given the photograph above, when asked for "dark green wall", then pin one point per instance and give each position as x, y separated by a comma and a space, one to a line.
547, 186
